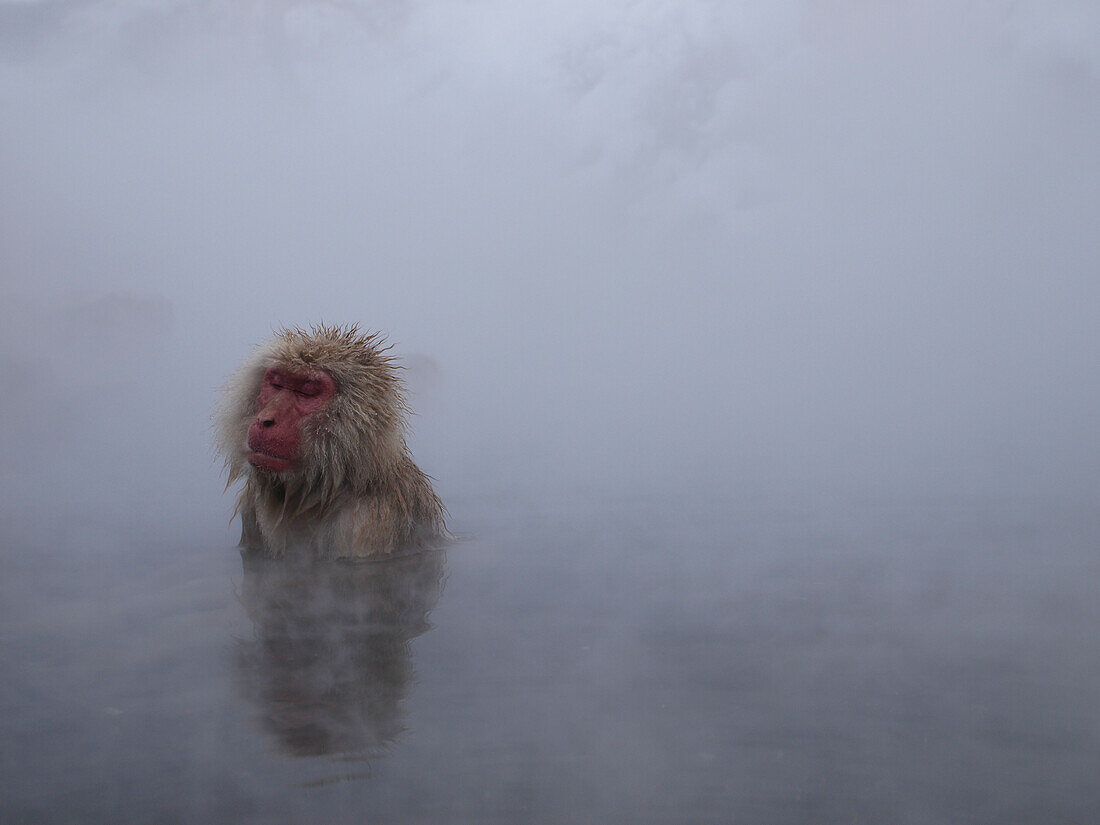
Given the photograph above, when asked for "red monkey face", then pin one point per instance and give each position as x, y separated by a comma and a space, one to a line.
287, 399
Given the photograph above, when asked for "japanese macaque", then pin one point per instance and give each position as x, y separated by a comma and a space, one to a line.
314, 422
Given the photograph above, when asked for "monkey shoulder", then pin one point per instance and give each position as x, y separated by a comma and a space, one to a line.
403, 513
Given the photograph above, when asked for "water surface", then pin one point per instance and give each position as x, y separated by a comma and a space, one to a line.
770, 662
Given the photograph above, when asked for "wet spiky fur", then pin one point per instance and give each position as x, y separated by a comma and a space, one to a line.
356, 491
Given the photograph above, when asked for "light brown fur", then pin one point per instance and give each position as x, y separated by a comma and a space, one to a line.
356, 491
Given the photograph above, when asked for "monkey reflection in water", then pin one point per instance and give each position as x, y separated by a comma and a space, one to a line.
330, 664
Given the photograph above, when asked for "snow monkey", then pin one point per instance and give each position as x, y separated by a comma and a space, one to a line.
314, 422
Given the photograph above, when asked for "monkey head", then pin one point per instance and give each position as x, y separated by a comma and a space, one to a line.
286, 400
316, 412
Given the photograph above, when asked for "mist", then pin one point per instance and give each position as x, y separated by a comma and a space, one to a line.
640, 247
659, 257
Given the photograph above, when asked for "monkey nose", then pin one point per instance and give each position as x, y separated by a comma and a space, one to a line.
267, 422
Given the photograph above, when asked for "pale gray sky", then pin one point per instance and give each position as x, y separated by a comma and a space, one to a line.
641, 246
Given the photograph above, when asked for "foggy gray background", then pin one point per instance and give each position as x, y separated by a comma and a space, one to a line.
670, 249
754, 351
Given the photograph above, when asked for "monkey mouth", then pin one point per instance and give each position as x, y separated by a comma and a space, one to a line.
268, 462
